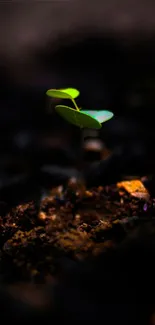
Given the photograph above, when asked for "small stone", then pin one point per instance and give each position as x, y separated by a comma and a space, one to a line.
53, 217
42, 216
121, 193
88, 193
60, 189
121, 201
77, 217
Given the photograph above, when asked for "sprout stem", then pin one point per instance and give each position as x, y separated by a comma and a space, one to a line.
72, 99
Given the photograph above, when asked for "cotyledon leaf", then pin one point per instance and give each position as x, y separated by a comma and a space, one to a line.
67, 93
74, 93
100, 116
56, 93
78, 118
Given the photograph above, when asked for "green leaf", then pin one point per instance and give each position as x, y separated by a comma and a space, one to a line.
55, 93
66, 93
101, 116
77, 118
74, 93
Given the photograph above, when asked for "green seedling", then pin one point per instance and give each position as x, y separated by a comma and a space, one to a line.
77, 116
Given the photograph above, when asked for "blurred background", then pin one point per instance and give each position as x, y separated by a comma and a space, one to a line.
106, 50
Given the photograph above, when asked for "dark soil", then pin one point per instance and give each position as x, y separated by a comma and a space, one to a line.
73, 224
75, 261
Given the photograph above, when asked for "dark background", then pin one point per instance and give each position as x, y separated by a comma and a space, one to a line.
105, 49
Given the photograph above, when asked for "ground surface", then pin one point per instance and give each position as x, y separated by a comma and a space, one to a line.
74, 224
